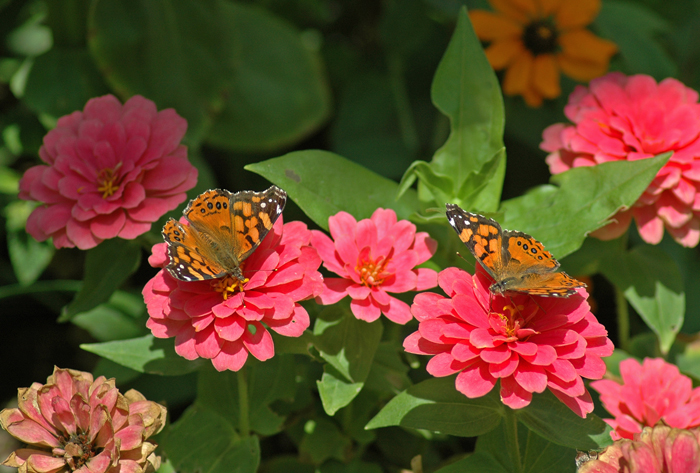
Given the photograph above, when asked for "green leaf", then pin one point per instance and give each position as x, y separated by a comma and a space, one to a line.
323, 440
29, 257
323, 184
551, 419
268, 382
634, 29
278, 93
466, 89
104, 273
471, 164
201, 441
348, 345
477, 462
335, 390
285, 464
389, 374
114, 320
653, 285
292, 345
175, 53
436, 405
62, 81
145, 354
586, 199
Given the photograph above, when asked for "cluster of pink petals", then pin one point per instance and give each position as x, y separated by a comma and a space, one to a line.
210, 320
652, 391
530, 343
374, 257
77, 423
619, 118
110, 171
660, 449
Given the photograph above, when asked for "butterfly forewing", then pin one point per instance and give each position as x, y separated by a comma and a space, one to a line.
188, 256
253, 215
481, 235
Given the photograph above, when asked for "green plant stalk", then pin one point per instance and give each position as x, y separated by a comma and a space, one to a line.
623, 319
510, 428
243, 405
409, 134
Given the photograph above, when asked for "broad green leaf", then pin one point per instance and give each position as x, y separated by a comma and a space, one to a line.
323, 440
175, 53
267, 383
466, 89
436, 405
30, 39
586, 199
635, 30
29, 257
62, 81
116, 319
292, 345
323, 184
145, 354
653, 285
551, 419
689, 361
477, 462
389, 374
278, 92
201, 441
9, 179
335, 390
106, 267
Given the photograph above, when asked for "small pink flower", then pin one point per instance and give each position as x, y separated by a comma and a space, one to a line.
110, 171
75, 423
374, 257
530, 343
619, 118
650, 392
221, 319
660, 449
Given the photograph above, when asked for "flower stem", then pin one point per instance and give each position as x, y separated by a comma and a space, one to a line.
244, 420
623, 319
510, 428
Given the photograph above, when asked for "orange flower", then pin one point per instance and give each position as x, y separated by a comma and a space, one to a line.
535, 40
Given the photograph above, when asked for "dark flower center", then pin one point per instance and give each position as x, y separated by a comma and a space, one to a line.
78, 450
541, 37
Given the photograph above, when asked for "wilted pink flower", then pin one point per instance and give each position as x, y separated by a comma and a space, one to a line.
222, 319
75, 423
660, 449
110, 171
530, 343
374, 257
650, 392
619, 118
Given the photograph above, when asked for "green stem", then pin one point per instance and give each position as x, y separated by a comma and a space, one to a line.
243, 407
60, 285
510, 427
403, 104
623, 319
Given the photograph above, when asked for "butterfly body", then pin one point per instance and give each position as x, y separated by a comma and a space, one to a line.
515, 260
224, 229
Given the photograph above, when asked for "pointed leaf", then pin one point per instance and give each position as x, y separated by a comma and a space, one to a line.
335, 390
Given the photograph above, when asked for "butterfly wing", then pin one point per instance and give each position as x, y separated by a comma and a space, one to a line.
483, 237
252, 216
189, 258
549, 285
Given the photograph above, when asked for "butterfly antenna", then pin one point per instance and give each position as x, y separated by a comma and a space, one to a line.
469, 263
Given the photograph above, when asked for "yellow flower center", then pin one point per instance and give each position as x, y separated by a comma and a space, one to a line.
228, 286
541, 37
107, 180
372, 272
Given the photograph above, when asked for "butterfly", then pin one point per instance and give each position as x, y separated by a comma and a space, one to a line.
516, 261
224, 229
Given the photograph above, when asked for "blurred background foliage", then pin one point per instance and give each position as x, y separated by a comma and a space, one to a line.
257, 79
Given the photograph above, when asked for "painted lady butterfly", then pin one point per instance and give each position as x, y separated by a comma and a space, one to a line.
516, 261
224, 229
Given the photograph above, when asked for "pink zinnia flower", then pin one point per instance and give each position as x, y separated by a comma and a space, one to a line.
374, 257
650, 392
530, 343
222, 319
110, 171
660, 449
77, 423
620, 118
